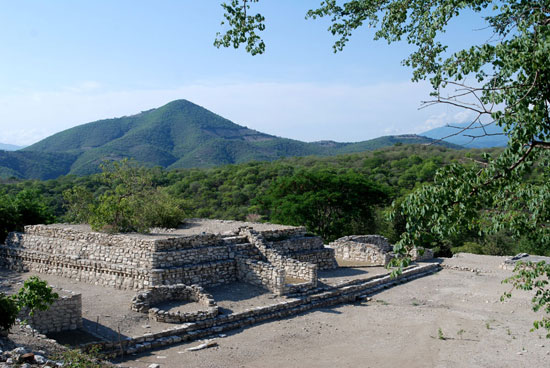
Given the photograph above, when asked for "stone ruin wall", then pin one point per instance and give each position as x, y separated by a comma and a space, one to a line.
140, 262
148, 302
347, 292
63, 315
261, 274
371, 249
416, 255
308, 249
307, 272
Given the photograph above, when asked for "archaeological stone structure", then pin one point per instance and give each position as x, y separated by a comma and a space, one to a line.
148, 301
374, 250
175, 265
63, 315
269, 258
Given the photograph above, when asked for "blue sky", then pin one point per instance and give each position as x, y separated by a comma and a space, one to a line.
66, 63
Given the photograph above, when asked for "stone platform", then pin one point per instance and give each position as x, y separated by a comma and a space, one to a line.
262, 254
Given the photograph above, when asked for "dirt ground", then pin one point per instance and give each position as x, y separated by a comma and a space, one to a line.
450, 319
399, 327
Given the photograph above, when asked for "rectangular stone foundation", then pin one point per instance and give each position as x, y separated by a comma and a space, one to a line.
136, 261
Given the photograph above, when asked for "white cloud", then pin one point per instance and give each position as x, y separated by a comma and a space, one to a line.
304, 111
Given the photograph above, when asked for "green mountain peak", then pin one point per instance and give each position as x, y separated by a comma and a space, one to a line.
179, 134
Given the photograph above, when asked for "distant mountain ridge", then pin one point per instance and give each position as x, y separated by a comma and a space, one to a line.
490, 136
9, 147
179, 134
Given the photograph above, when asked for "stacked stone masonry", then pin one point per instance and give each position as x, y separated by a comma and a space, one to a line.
371, 249
421, 254
292, 268
148, 302
261, 274
63, 315
139, 262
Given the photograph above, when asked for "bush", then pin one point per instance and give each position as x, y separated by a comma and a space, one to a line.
34, 295
8, 311
74, 358
28, 207
329, 204
130, 202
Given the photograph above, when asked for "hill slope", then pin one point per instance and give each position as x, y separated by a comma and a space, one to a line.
179, 134
494, 136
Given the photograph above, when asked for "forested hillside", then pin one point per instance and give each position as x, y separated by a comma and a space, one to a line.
179, 134
255, 190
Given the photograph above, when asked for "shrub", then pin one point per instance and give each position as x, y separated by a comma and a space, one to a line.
34, 295
8, 312
130, 202
28, 207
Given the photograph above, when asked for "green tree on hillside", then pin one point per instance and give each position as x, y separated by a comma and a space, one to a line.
129, 201
28, 207
328, 204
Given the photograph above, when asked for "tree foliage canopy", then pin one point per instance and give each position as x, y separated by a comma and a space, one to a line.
328, 204
28, 207
128, 201
34, 295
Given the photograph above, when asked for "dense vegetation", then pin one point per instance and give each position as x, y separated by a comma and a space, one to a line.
26, 207
259, 190
177, 135
327, 203
129, 201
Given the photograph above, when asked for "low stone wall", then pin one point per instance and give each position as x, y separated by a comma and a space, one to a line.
300, 270
371, 249
94, 272
281, 234
297, 244
261, 274
188, 241
416, 255
129, 252
63, 315
175, 258
323, 258
146, 301
308, 249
